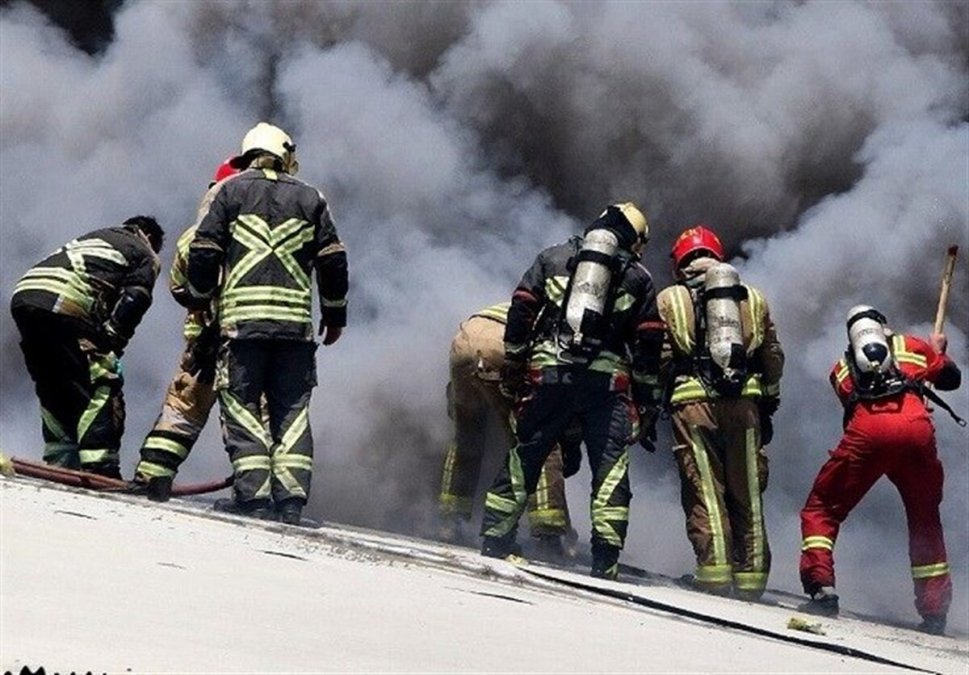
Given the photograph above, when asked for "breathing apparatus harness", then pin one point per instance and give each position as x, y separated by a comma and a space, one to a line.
883, 378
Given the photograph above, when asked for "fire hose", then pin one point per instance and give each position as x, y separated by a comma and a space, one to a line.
91, 481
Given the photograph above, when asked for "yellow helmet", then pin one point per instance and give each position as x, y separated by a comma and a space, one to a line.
636, 218
273, 140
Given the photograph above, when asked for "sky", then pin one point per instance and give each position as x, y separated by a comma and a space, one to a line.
826, 142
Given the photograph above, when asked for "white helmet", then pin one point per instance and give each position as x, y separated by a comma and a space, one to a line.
274, 140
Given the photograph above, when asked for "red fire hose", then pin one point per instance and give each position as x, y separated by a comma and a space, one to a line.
92, 481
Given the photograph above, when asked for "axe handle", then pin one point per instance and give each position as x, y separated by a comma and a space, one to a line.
947, 271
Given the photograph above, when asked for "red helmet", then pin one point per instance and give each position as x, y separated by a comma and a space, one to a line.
697, 238
225, 170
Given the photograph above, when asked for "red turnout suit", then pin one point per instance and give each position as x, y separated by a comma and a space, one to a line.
891, 436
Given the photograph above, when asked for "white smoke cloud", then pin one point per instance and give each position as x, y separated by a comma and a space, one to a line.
826, 142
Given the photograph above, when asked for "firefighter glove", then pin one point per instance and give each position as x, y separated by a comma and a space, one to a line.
768, 406
330, 332
513, 373
112, 340
203, 354
571, 444
647, 427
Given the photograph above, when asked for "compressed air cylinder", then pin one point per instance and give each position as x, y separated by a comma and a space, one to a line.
869, 345
590, 281
725, 338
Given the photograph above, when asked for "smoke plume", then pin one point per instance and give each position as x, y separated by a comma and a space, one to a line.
827, 143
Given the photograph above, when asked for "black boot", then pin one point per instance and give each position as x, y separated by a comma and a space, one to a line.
290, 511
605, 561
823, 602
933, 624
256, 508
159, 488
103, 469
500, 547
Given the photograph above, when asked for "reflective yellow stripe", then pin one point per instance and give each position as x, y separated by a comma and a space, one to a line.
623, 302
245, 418
755, 303
53, 425
548, 518
714, 574
292, 462
252, 463
929, 571
95, 405
454, 504
152, 470
94, 455
682, 318
602, 514
234, 296
817, 541
498, 503
266, 313
692, 389
903, 355
753, 494
555, 288
166, 445
447, 478
497, 312
708, 493
750, 581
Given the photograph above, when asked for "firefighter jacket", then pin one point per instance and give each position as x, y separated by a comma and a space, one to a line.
680, 369
264, 232
918, 364
633, 335
101, 279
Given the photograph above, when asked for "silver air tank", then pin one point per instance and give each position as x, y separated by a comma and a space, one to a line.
869, 344
590, 282
725, 337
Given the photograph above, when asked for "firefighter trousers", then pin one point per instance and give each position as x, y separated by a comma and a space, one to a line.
274, 463
474, 404
608, 421
80, 391
723, 474
183, 416
900, 444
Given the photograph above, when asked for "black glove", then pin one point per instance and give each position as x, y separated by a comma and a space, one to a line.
203, 354
768, 406
111, 340
647, 427
513, 382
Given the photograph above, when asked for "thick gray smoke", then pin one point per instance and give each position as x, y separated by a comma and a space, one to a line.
826, 142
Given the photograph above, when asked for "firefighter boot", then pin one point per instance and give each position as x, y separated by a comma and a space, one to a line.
257, 508
605, 561
159, 488
823, 602
290, 511
933, 624
500, 547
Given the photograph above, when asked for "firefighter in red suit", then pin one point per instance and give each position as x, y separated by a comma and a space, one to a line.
881, 381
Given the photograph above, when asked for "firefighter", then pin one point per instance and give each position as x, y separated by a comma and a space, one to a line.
882, 382
254, 251
190, 396
582, 341
76, 311
721, 366
474, 398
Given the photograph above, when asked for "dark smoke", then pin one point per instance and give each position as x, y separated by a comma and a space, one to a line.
827, 142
